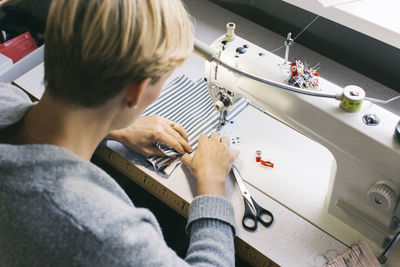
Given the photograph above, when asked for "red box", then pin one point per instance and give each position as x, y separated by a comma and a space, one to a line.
18, 47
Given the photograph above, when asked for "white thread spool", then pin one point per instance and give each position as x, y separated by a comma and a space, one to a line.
230, 31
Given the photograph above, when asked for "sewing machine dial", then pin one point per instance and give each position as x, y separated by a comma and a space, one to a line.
382, 197
222, 97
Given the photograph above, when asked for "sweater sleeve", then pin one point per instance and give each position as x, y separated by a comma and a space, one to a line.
211, 229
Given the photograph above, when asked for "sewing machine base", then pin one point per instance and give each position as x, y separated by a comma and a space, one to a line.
302, 174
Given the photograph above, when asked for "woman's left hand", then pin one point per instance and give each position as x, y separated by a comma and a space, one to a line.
143, 135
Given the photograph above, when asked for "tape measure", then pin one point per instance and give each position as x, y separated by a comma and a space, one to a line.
174, 201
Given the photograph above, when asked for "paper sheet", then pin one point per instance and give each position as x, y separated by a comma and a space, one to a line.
33, 80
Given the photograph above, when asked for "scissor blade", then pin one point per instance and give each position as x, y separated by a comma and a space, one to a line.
239, 180
242, 187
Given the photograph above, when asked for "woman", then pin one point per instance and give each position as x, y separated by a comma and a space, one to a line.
105, 62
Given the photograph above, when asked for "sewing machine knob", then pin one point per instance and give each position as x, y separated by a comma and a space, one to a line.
219, 105
382, 197
397, 132
371, 119
241, 50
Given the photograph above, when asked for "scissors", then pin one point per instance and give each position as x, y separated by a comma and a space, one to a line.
252, 211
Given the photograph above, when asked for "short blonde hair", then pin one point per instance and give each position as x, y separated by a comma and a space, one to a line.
95, 48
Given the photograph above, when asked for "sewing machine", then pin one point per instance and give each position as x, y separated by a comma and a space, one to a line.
360, 193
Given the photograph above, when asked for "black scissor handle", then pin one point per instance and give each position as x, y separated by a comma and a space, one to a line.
249, 220
264, 216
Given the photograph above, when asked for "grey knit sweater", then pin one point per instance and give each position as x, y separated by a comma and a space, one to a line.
59, 210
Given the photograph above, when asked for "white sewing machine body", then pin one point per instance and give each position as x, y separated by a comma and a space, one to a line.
364, 155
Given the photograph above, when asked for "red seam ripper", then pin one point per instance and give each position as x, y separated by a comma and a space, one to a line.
267, 163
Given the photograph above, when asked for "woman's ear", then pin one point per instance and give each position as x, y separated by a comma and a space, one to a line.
135, 92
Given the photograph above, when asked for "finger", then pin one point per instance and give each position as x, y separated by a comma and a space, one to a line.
225, 140
171, 141
202, 138
234, 154
179, 129
187, 159
180, 139
214, 136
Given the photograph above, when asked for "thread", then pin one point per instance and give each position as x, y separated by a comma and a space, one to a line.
298, 35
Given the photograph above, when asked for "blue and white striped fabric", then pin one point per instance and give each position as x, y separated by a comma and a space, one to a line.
189, 104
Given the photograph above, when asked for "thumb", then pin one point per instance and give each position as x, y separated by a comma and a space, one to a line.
186, 159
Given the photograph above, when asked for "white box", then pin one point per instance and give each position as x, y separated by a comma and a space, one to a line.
5, 63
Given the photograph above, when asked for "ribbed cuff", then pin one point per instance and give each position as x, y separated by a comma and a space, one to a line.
211, 207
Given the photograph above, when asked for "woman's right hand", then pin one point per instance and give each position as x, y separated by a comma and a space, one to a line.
211, 163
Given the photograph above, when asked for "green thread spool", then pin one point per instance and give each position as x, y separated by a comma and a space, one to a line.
353, 97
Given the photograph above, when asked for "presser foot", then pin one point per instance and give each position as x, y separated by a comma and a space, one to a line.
220, 125
222, 119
